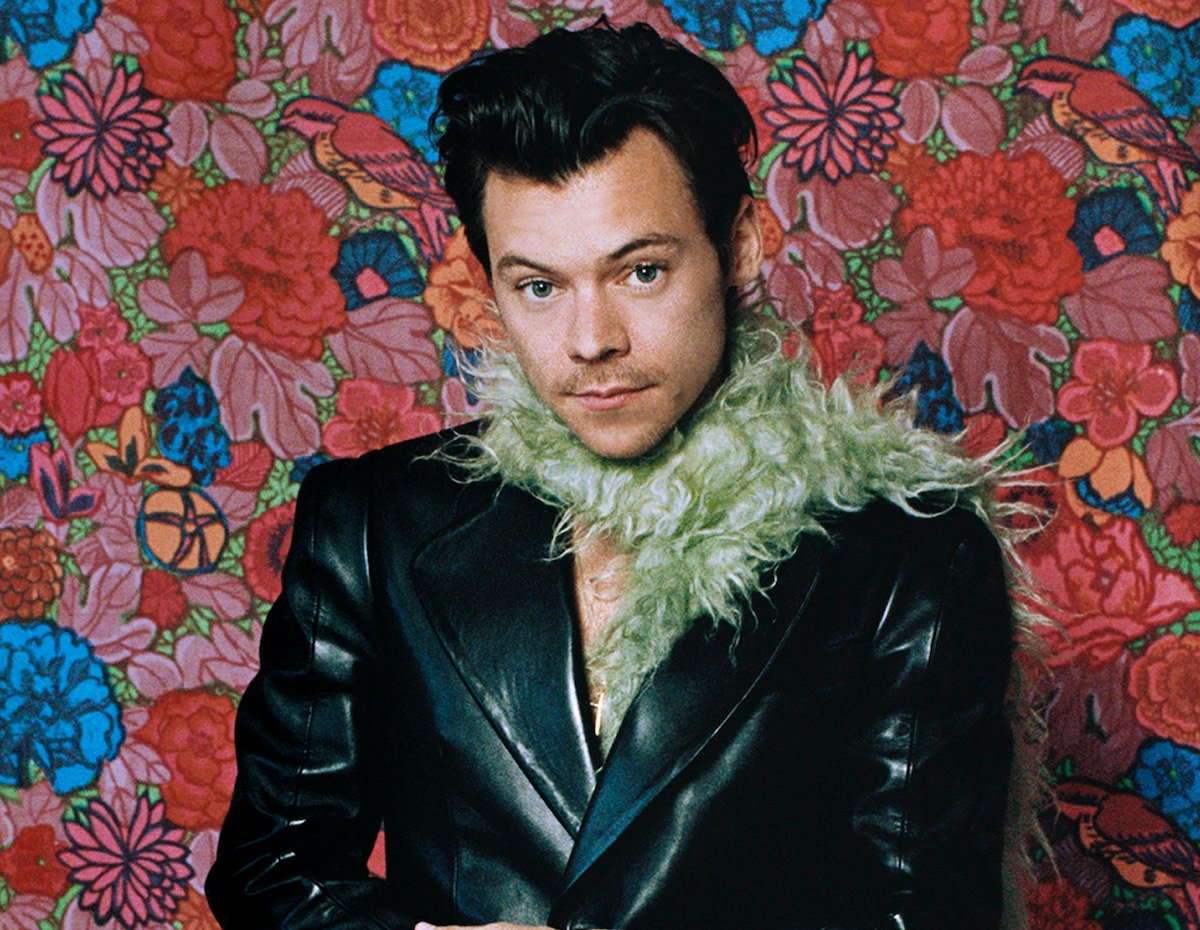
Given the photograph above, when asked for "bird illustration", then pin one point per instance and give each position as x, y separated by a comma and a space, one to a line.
1144, 848
1120, 126
379, 167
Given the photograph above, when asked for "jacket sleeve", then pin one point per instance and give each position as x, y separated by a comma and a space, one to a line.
929, 761
295, 843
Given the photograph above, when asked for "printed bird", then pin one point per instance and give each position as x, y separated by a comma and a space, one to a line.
1145, 848
1120, 126
379, 167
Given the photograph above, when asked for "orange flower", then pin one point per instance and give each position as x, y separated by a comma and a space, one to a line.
176, 187
30, 573
1182, 248
1109, 471
31, 240
131, 458
1176, 12
437, 36
460, 298
1013, 214
1165, 683
921, 38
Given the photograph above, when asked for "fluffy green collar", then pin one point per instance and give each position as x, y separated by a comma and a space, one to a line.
722, 498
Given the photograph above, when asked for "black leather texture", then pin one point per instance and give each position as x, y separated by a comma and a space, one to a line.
845, 770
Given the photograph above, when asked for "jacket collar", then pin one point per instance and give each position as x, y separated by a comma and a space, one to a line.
502, 609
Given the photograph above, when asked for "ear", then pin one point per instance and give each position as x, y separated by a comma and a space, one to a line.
746, 245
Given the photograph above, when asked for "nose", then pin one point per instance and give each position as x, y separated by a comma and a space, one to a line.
597, 329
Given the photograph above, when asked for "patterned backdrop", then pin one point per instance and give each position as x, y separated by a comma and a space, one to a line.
997, 202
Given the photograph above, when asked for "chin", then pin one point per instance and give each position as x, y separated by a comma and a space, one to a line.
618, 445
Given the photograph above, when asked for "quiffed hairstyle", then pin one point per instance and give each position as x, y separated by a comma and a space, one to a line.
548, 109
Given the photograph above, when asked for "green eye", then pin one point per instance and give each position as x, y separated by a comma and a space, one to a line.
540, 289
646, 274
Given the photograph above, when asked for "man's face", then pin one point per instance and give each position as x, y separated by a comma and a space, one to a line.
611, 293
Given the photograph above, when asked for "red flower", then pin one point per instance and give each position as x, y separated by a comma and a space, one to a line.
1013, 214
267, 542
371, 415
193, 732
29, 864
1105, 587
921, 38
20, 403
162, 599
136, 872
1183, 523
192, 51
101, 327
1059, 905
278, 245
19, 147
836, 126
437, 36
1113, 382
105, 141
840, 342
71, 393
124, 374
1165, 683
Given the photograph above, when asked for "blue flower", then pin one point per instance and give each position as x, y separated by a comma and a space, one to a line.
46, 29
14, 452
1159, 60
1112, 222
57, 709
1189, 311
770, 25
405, 96
374, 264
937, 407
1169, 775
191, 433
1048, 438
306, 463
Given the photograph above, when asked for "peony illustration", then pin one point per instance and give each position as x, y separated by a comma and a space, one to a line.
59, 710
105, 141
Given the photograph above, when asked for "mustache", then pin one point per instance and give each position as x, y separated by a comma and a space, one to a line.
625, 374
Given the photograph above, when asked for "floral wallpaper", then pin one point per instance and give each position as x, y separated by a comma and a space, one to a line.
225, 256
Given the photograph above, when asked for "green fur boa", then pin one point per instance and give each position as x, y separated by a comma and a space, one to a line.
726, 495
722, 498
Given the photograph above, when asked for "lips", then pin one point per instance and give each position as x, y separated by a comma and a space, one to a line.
608, 397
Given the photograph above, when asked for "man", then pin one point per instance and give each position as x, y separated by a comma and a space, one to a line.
672, 640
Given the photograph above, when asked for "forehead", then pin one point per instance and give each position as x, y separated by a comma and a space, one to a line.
637, 191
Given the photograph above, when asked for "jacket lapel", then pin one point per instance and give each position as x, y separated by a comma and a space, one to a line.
500, 607
686, 702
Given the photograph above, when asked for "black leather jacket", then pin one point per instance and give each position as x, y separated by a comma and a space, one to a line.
422, 670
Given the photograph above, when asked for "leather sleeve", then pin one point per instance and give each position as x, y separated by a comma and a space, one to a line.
294, 846
930, 762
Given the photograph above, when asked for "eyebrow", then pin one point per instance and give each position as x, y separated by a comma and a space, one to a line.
512, 260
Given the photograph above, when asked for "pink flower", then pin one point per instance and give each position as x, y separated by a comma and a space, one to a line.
372, 414
837, 127
136, 872
1105, 588
101, 327
20, 404
124, 374
1113, 382
105, 142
